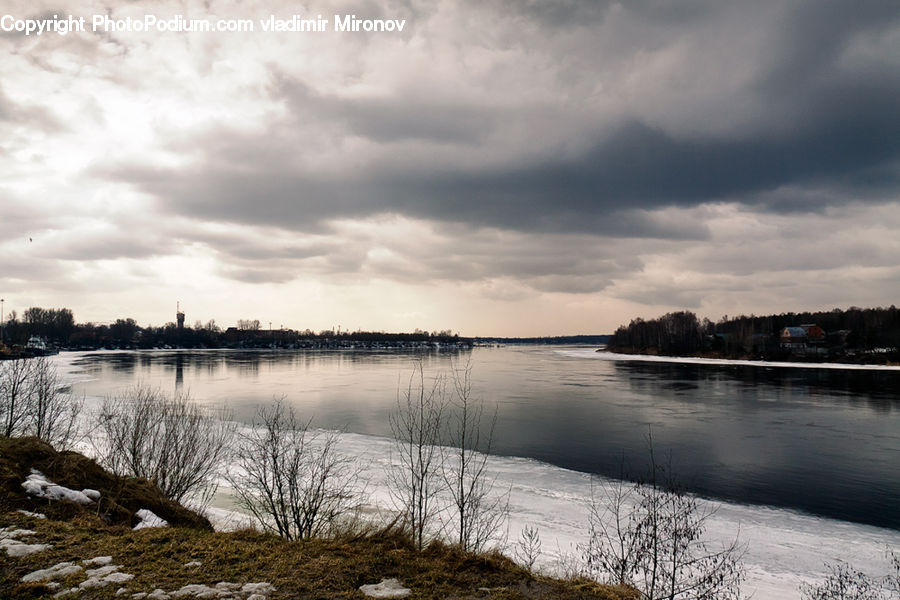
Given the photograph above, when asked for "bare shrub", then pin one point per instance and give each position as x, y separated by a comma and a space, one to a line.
15, 378
293, 481
171, 441
649, 535
479, 515
415, 482
53, 414
528, 547
844, 582
614, 546
32, 402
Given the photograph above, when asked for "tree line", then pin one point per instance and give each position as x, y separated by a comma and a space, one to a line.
58, 328
864, 334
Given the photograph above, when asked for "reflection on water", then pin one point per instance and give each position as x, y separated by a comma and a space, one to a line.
823, 441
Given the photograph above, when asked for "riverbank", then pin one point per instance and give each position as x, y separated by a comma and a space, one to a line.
103, 557
605, 354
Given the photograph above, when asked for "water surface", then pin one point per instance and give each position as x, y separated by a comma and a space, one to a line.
825, 442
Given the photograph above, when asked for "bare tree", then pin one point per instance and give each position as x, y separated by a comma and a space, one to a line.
415, 481
294, 482
53, 414
651, 537
170, 440
33, 404
479, 514
15, 392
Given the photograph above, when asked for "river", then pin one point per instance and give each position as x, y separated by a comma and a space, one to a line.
804, 462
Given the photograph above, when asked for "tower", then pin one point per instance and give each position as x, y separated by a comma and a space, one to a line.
179, 316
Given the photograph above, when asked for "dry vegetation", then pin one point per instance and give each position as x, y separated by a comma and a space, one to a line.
313, 568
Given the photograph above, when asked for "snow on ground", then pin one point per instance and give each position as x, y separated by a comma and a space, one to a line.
34, 515
38, 485
589, 353
388, 588
784, 547
109, 574
148, 519
15, 547
57, 571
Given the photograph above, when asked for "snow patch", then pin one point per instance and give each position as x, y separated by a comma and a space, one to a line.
196, 590
34, 515
388, 588
148, 519
228, 587
263, 588
118, 577
17, 548
193, 563
97, 560
57, 571
37, 484
102, 571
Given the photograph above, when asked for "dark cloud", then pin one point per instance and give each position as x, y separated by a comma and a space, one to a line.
826, 124
636, 167
813, 35
662, 152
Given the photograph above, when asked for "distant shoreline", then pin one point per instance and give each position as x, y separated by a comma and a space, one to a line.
604, 354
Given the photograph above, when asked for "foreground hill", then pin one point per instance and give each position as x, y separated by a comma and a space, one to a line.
97, 554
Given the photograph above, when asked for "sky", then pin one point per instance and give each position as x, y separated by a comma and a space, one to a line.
497, 167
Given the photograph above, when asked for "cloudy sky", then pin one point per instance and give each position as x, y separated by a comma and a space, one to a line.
503, 167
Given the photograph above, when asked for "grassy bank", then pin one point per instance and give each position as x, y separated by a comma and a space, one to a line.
190, 553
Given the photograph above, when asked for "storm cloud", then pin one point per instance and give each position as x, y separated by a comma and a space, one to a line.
649, 155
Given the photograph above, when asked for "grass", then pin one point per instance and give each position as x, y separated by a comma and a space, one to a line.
323, 569
314, 569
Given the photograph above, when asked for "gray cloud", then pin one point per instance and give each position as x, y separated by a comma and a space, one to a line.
415, 116
664, 154
827, 125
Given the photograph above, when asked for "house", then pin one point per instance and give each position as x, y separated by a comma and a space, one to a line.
793, 338
805, 338
814, 333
